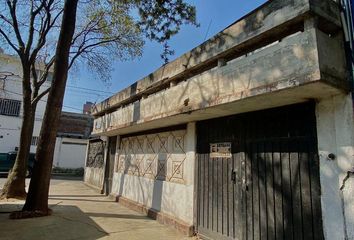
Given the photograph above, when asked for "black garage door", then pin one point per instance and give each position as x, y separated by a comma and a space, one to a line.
258, 176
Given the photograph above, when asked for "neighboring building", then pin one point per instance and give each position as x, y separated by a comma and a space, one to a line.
74, 129
87, 108
248, 136
11, 111
73, 133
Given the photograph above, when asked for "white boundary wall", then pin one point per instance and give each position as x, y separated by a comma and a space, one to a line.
335, 131
171, 198
70, 152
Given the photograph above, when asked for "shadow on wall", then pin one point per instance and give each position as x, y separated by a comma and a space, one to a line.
282, 176
95, 161
230, 39
127, 166
263, 71
158, 181
276, 166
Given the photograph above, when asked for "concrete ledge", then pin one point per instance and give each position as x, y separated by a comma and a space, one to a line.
270, 22
162, 218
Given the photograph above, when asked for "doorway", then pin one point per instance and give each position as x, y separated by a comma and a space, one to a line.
258, 175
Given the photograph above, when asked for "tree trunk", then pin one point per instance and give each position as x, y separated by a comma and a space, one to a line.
37, 197
15, 184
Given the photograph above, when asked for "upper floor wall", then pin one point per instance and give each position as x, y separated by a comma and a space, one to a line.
284, 44
11, 88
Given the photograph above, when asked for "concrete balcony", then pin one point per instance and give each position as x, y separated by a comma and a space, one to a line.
292, 53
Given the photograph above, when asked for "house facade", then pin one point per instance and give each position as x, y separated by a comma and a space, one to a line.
74, 128
11, 105
247, 136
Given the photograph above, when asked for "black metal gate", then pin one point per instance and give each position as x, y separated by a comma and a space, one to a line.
267, 186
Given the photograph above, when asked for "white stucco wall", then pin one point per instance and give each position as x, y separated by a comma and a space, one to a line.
336, 135
172, 198
12, 89
70, 153
94, 176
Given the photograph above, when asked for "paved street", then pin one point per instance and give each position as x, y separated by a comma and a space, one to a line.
81, 213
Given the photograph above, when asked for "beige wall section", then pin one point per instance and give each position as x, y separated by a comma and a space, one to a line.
348, 194
288, 64
94, 176
336, 135
273, 18
95, 162
171, 197
276, 67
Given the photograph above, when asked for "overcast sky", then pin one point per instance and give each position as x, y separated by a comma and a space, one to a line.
213, 16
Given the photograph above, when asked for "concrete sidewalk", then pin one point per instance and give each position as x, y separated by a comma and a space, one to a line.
80, 213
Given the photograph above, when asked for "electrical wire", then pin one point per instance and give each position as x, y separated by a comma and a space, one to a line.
89, 89
41, 100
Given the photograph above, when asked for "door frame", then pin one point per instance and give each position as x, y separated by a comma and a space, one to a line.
309, 108
109, 167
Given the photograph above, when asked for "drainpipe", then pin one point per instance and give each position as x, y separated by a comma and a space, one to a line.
346, 7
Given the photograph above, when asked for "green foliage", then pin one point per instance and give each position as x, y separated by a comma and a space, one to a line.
161, 19
117, 29
105, 30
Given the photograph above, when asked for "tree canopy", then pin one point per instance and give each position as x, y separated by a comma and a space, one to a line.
101, 31
106, 30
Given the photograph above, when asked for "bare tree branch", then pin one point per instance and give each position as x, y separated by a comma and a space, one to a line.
12, 8
33, 16
8, 40
46, 72
8, 21
84, 48
41, 95
34, 74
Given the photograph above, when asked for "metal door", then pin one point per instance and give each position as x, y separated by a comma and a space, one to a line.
268, 186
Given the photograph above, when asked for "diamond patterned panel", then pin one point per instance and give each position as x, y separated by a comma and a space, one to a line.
158, 156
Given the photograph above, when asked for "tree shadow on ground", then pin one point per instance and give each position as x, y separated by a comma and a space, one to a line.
80, 196
80, 199
112, 215
66, 222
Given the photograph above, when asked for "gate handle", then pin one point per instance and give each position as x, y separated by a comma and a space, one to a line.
233, 176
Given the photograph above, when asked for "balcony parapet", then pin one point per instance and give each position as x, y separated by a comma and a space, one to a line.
300, 59
270, 22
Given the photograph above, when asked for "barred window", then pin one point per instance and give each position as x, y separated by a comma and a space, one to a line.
34, 141
10, 107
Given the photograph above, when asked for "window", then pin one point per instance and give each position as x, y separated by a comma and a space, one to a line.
34, 141
10, 107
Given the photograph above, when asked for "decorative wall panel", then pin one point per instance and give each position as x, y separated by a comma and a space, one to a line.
159, 156
96, 154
